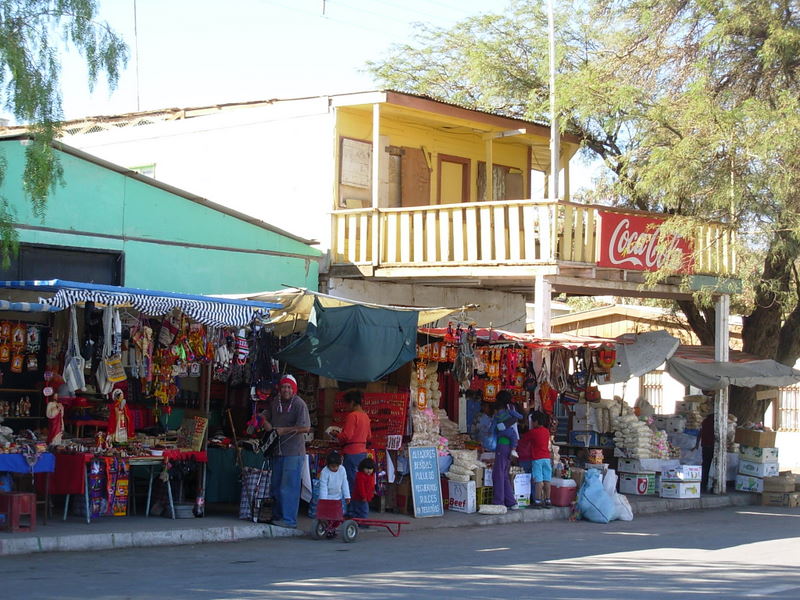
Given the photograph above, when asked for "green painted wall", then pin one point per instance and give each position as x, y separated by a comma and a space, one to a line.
97, 200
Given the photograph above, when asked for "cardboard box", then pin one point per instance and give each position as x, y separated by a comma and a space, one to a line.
487, 477
585, 425
758, 469
683, 473
479, 477
791, 500
638, 484
759, 455
629, 465
522, 489
462, 497
403, 499
680, 489
755, 439
581, 410
589, 439
747, 483
782, 483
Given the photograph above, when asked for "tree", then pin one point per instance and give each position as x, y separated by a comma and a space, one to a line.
32, 34
691, 104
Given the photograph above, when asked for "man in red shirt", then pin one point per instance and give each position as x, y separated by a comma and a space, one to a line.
541, 465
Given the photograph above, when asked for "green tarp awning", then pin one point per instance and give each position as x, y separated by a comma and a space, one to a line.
354, 343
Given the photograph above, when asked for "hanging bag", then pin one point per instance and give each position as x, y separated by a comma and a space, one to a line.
110, 370
74, 363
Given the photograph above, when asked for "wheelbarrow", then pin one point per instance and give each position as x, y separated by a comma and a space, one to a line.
330, 520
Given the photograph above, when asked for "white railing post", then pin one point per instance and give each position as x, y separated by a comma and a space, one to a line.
376, 181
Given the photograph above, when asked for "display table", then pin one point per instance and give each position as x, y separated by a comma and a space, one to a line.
45, 464
70, 477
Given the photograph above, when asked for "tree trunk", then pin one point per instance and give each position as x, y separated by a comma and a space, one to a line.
744, 405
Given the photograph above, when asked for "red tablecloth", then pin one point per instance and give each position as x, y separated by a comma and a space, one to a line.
70, 470
178, 454
69, 475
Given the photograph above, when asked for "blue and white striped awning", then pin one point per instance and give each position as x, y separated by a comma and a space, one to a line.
27, 306
218, 312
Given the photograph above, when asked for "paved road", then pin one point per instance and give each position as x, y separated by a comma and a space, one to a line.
751, 552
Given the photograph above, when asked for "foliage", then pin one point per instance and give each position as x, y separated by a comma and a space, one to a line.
32, 35
691, 104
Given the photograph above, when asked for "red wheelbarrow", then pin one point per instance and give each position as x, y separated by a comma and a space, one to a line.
330, 519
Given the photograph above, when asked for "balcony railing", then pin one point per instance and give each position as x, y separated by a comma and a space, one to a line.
511, 232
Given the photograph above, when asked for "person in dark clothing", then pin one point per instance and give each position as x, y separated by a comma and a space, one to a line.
705, 440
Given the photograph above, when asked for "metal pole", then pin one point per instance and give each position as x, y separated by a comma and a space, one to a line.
555, 159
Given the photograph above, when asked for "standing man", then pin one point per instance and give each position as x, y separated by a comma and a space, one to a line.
355, 435
705, 439
288, 415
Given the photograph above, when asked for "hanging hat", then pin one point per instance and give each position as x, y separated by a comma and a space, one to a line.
288, 379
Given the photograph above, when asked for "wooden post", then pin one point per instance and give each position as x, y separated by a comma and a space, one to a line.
721, 354
541, 307
489, 195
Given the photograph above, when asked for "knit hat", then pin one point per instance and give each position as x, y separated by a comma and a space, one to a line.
288, 379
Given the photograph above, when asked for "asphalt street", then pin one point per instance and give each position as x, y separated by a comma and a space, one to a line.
751, 552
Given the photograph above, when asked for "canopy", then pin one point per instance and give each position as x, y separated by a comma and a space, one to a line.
297, 304
27, 306
640, 353
694, 365
500, 336
354, 343
208, 310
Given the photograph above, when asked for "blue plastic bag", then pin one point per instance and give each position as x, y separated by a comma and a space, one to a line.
594, 503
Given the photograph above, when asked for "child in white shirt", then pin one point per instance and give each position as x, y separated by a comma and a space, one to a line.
333, 480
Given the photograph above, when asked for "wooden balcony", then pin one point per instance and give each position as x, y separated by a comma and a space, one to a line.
488, 240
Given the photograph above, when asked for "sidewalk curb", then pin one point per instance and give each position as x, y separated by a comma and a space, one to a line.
142, 539
248, 531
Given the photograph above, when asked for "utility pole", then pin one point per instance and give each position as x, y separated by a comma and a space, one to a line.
555, 154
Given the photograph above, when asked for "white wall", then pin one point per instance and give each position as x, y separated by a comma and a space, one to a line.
274, 162
498, 309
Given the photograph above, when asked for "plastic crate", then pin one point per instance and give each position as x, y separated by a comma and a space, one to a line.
484, 495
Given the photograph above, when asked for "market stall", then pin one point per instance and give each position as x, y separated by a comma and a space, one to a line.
117, 378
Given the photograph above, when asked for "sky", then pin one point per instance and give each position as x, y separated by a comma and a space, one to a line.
186, 53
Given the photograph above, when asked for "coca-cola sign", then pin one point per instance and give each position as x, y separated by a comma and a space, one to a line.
634, 242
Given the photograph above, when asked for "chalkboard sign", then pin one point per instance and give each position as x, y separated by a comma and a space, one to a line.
426, 488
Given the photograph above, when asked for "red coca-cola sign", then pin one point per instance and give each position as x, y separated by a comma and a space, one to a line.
634, 242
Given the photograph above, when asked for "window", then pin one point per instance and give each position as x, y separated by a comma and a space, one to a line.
58, 262
652, 390
787, 417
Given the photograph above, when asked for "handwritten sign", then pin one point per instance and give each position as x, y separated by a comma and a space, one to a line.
426, 487
356, 163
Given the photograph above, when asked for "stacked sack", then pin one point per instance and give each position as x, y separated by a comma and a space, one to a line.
464, 464
693, 409
426, 427
660, 446
632, 435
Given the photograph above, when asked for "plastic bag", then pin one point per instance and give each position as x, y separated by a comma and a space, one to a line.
624, 511
594, 503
